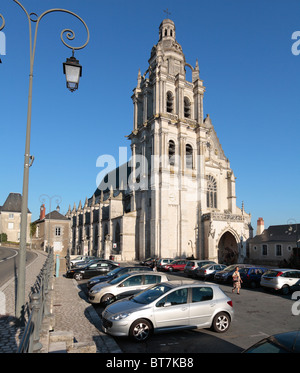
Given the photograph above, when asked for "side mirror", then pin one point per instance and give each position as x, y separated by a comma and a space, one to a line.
167, 304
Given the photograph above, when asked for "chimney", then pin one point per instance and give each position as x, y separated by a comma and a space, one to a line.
260, 226
42, 212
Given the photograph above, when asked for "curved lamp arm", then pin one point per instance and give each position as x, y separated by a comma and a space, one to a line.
3, 22
43, 198
70, 34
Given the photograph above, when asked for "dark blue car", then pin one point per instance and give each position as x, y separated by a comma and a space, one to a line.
251, 276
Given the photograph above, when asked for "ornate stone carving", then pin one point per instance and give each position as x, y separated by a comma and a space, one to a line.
223, 217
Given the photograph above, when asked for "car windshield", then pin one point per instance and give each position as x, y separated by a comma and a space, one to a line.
206, 266
116, 280
230, 268
92, 265
114, 271
267, 346
150, 295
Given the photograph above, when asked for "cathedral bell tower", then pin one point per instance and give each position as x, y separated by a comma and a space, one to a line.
184, 197
163, 88
168, 109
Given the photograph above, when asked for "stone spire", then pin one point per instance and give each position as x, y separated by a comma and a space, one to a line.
139, 79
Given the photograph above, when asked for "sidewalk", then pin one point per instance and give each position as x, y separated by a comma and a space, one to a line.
73, 313
76, 327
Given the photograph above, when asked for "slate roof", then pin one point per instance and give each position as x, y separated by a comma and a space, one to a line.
278, 233
13, 203
54, 215
121, 172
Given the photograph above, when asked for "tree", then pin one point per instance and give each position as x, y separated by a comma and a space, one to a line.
32, 229
3, 237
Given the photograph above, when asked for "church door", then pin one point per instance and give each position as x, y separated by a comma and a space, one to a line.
228, 249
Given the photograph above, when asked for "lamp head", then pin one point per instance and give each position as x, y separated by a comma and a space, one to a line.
73, 72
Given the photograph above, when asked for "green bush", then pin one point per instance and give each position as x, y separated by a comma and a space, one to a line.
3, 237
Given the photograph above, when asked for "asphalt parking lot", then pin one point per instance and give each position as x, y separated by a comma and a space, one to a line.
257, 314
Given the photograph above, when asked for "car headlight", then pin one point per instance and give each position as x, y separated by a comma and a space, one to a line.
120, 316
94, 291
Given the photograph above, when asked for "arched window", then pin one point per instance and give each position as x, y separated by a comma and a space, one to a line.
187, 107
211, 192
117, 239
105, 231
171, 153
170, 102
189, 156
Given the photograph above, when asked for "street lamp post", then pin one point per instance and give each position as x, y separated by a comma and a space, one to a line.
28, 160
291, 230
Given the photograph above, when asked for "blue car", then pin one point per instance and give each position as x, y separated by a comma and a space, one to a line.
251, 276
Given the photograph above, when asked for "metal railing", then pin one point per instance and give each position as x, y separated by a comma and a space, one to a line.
38, 308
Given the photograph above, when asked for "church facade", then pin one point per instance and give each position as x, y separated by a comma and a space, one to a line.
175, 197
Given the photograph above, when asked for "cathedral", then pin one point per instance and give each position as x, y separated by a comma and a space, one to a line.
175, 197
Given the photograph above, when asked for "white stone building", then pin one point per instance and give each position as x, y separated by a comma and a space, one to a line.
176, 196
10, 218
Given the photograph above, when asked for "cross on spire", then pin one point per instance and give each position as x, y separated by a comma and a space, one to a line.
167, 12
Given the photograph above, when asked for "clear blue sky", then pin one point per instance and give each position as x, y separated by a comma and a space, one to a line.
252, 94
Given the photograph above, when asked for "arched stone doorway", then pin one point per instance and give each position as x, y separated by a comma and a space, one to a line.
228, 249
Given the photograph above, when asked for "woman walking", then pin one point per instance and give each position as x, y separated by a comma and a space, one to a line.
236, 277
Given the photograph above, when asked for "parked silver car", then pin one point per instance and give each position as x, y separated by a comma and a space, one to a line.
80, 258
208, 271
192, 266
162, 262
124, 286
117, 272
284, 279
169, 306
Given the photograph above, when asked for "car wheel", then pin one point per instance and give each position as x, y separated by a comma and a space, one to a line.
285, 290
170, 269
140, 330
253, 284
221, 322
78, 276
107, 299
